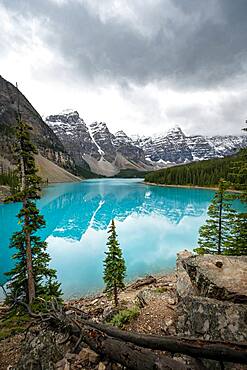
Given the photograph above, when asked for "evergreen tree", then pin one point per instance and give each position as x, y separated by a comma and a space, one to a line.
236, 244
237, 241
214, 235
114, 265
31, 276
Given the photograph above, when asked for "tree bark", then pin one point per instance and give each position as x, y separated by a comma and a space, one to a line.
220, 224
22, 174
29, 262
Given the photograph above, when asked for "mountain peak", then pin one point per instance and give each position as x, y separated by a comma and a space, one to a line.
176, 130
120, 133
68, 116
99, 127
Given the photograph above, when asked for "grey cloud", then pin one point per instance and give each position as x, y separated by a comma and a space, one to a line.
197, 45
226, 117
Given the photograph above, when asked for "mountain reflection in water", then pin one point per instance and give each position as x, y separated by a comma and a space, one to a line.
153, 223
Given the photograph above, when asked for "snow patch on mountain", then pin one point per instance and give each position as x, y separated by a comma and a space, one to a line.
101, 152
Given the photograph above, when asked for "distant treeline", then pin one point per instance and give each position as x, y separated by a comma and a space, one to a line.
203, 173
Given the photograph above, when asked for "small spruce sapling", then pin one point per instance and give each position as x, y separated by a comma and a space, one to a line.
114, 265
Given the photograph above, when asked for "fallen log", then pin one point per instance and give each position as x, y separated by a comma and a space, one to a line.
142, 282
128, 354
118, 345
214, 350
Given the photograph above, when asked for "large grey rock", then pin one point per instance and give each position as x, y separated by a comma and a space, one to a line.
219, 277
212, 297
40, 351
211, 319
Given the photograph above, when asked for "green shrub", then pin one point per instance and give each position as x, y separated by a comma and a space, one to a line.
125, 316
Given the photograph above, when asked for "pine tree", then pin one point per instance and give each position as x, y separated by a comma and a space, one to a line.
237, 241
31, 276
213, 236
114, 265
236, 244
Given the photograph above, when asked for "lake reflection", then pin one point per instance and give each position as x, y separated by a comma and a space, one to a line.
153, 223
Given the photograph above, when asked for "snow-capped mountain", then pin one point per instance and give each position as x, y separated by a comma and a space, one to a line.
175, 147
95, 146
75, 136
106, 153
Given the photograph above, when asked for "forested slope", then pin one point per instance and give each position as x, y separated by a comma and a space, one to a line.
203, 173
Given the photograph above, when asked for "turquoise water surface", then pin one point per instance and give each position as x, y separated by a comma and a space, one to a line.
153, 224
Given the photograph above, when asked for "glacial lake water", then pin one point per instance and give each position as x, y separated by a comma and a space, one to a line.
153, 224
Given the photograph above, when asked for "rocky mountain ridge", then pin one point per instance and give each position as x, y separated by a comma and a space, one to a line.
175, 147
49, 145
107, 153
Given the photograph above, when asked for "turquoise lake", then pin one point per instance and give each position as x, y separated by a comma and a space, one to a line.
153, 224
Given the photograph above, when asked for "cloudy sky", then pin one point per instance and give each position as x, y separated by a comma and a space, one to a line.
139, 65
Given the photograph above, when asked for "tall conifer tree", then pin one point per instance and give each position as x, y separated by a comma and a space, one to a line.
31, 275
213, 236
237, 242
114, 265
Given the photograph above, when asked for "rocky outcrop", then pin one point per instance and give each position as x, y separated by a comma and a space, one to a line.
212, 292
75, 136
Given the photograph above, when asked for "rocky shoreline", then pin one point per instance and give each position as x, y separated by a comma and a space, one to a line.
153, 296
205, 299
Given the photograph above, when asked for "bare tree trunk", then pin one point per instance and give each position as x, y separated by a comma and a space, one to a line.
22, 174
220, 224
29, 262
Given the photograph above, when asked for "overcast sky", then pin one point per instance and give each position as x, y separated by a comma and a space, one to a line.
139, 65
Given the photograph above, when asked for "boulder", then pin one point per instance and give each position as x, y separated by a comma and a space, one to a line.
219, 277
210, 319
212, 297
